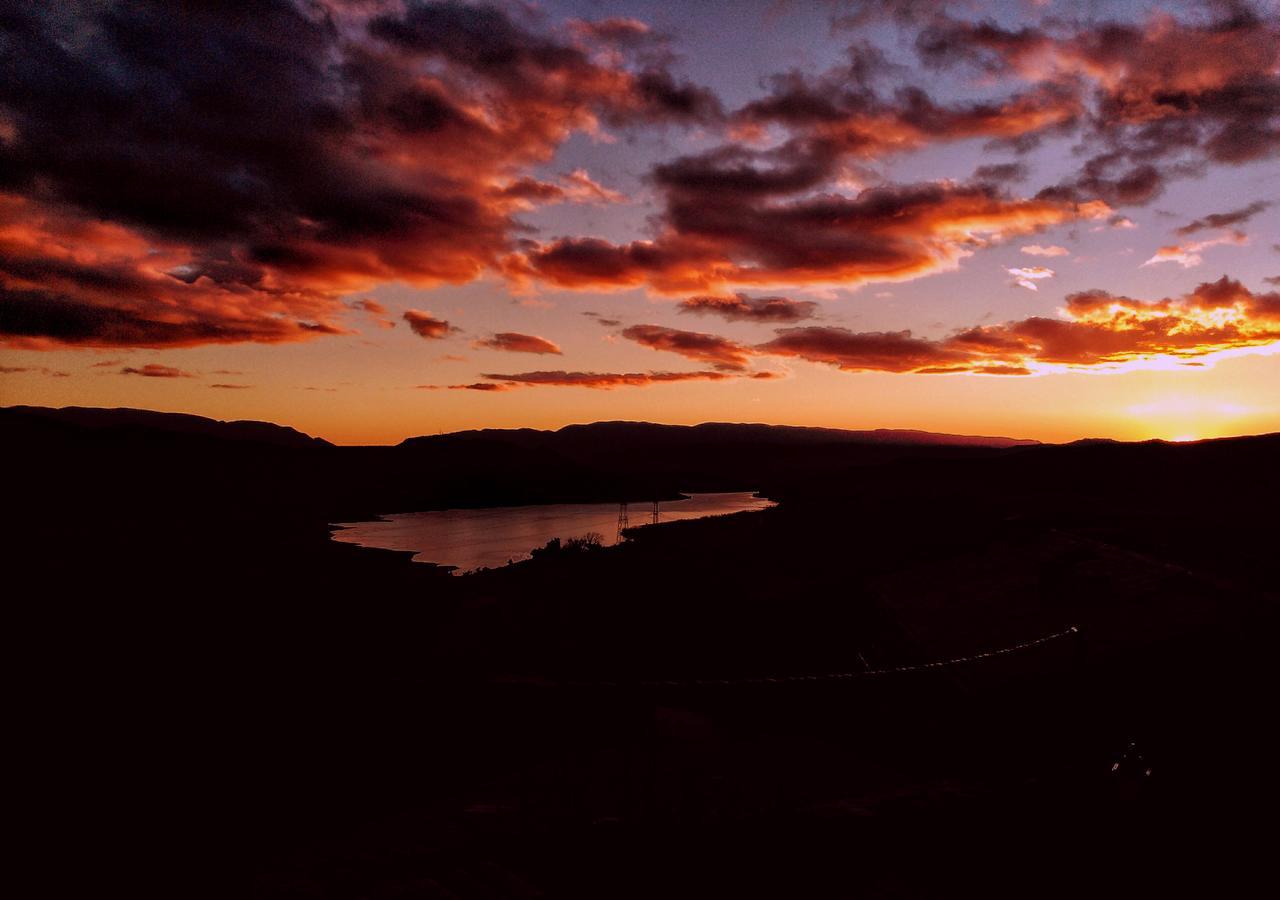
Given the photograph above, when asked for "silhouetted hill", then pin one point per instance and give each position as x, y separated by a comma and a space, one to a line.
246, 465
639, 460
647, 434
141, 421
213, 691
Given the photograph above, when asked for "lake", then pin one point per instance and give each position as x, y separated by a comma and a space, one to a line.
472, 538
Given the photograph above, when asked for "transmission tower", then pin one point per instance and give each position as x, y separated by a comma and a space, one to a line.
623, 522
656, 513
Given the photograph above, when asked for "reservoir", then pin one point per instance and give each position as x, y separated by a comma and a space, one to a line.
474, 538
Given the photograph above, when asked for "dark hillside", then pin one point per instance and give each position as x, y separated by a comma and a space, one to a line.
931, 671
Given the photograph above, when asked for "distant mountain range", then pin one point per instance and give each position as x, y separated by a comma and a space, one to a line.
118, 458
648, 434
140, 421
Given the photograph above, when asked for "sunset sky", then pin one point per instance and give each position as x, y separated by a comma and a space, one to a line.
371, 220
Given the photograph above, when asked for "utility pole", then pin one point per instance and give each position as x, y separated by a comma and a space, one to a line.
656, 513
623, 522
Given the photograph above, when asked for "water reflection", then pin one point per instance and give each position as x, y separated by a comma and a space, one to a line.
472, 538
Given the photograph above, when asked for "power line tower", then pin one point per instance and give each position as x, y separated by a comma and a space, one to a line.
623, 522
657, 514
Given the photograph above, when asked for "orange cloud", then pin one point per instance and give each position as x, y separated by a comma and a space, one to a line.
313, 158
722, 353
65, 281
155, 370
724, 227
741, 308
513, 342
1188, 255
425, 325
1096, 330
594, 380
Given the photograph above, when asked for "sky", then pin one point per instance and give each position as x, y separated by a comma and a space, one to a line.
372, 219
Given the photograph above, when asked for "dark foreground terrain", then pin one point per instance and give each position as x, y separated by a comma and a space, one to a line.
214, 699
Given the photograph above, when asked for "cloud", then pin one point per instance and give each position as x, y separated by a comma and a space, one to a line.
728, 221
34, 370
275, 162
232, 387
425, 325
1050, 250
1226, 219
573, 187
1164, 97
370, 306
65, 281
376, 310
774, 206
862, 351
1096, 330
843, 110
595, 380
513, 342
155, 370
475, 386
1027, 276
1002, 172
1188, 255
581, 188
722, 353
741, 308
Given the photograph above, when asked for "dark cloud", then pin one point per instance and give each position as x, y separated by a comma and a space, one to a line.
155, 370
597, 380
1165, 97
741, 308
231, 387
231, 174
721, 353
862, 351
743, 213
514, 342
36, 370
474, 386
1002, 172
729, 220
842, 111
66, 281
1226, 219
425, 325
40, 320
